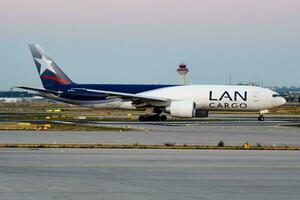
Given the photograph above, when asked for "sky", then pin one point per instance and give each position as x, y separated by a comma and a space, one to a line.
143, 41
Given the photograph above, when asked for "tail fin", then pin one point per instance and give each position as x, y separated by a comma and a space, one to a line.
50, 74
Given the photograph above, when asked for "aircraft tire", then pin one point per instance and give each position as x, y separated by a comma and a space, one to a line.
142, 118
163, 118
154, 118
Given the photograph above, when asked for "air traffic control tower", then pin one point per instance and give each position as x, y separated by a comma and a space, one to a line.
182, 71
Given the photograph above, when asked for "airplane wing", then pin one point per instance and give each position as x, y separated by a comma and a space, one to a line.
138, 100
135, 98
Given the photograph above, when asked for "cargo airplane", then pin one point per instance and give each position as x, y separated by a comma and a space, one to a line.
180, 101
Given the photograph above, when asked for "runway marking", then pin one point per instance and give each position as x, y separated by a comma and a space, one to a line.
190, 124
144, 166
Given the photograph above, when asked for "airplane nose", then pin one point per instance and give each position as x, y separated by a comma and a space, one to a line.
282, 101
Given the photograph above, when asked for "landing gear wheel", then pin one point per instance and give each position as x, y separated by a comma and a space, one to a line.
261, 118
163, 118
154, 118
142, 118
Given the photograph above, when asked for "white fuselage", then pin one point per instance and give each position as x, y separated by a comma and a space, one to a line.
222, 97
206, 97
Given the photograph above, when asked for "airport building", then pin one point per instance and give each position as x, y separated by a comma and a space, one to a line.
15, 94
291, 94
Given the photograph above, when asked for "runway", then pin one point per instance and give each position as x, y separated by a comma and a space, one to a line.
148, 174
155, 174
274, 131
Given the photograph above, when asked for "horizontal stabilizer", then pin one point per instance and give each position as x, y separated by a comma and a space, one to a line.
38, 90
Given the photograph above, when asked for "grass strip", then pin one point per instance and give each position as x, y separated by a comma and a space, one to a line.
148, 146
61, 127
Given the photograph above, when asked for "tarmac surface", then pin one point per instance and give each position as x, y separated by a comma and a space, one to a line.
148, 174
232, 130
156, 174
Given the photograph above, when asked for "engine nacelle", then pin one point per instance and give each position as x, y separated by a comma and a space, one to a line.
184, 109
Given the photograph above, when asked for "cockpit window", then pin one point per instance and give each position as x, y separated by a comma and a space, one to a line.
276, 95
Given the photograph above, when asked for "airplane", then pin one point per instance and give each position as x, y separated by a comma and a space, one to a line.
179, 101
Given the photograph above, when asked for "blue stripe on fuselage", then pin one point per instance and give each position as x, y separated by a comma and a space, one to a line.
69, 93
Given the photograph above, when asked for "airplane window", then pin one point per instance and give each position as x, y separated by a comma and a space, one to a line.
276, 95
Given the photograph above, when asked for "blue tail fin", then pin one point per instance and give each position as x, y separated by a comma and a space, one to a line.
50, 74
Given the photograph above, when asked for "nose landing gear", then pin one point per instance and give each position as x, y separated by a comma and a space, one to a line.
261, 115
261, 118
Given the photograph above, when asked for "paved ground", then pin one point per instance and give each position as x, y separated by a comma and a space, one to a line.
148, 174
155, 174
234, 131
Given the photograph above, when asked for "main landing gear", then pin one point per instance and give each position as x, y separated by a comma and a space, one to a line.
261, 115
261, 118
154, 118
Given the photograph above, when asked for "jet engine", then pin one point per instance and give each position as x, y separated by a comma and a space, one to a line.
182, 108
